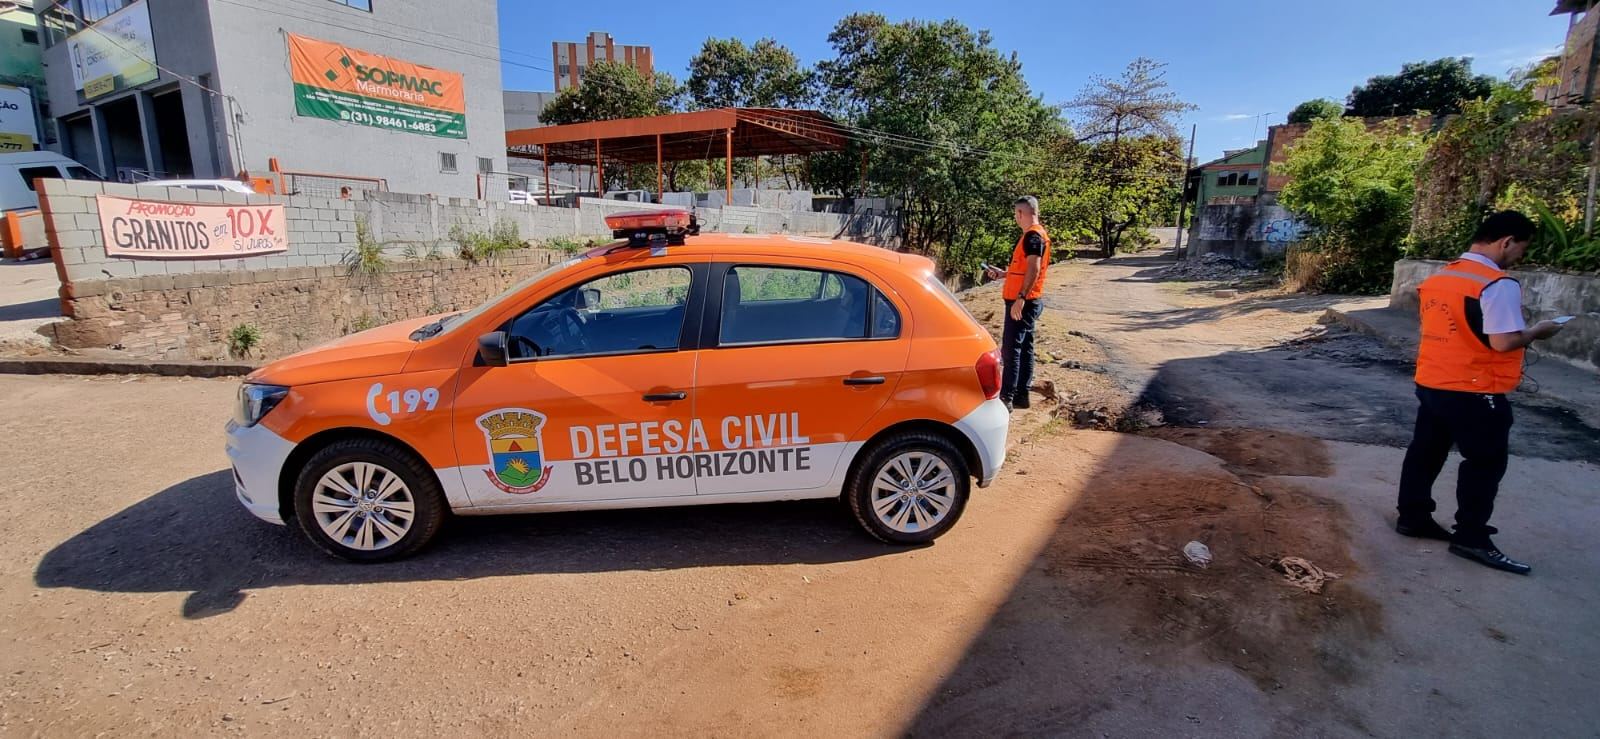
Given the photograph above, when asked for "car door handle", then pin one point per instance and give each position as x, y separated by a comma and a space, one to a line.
874, 380
664, 397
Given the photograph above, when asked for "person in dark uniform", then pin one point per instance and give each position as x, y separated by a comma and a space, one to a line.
1473, 338
1030, 260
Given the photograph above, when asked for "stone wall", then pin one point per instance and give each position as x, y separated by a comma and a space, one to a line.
184, 308
189, 316
1544, 295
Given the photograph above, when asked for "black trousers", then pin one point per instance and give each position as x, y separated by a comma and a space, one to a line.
1016, 353
1477, 425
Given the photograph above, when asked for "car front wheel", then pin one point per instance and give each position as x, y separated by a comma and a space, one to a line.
367, 500
910, 489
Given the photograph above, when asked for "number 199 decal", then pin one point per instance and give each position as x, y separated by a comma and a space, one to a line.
384, 406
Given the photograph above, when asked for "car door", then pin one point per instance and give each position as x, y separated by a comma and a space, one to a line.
597, 392
797, 358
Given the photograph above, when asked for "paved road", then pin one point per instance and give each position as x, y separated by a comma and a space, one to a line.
137, 598
28, 300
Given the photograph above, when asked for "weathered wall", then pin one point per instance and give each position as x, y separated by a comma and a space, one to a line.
1246, 232
188, 316
322, 231
183, 308
1544, 295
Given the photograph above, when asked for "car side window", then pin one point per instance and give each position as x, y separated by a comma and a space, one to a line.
29, 174
885, 319
762, 305
627, 313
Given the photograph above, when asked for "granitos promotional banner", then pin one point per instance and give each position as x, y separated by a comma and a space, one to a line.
158, 229
344, 84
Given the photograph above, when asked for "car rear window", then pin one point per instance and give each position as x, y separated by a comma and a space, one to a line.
943, 290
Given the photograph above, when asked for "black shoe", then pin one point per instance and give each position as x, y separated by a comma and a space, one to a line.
1422, 529
1490, 557
1009, 407
1021, 403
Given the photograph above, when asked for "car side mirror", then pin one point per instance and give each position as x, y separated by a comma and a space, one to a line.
589, 299
492, 349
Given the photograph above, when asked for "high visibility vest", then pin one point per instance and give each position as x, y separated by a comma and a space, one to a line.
1455, 353
1018, 271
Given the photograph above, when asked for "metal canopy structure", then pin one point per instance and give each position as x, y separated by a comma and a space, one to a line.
727, 133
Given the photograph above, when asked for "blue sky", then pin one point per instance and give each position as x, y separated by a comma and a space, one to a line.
1236, 59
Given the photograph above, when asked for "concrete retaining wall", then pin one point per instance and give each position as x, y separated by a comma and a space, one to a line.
1246, 232
183, 309
1544, 295
322, 231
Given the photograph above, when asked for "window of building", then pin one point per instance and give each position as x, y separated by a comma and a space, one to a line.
1250, 178
94, 10
59, 22
485, 165
447, 163
357, 4
30, 36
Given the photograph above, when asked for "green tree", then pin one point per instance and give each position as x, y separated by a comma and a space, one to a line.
613, 90
960, 129
1354, 187
1438, 87
1134, 159
1312, 110
728, 74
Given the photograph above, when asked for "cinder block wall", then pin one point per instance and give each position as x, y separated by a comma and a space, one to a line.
184, 308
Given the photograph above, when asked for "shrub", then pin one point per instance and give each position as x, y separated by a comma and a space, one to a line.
242, 339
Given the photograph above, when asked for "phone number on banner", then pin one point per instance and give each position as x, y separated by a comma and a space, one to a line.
357, 116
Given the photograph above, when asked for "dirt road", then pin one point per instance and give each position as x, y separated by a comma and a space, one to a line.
137, 598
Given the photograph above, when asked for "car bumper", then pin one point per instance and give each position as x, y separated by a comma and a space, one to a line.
258, 456
986, 427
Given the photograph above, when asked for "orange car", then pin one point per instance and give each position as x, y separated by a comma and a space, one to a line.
667, 369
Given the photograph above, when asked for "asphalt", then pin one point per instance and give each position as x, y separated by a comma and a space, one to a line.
1548, 381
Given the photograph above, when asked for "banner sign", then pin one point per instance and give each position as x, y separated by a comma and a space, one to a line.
114, 54
158, 229
16, 119
344, 84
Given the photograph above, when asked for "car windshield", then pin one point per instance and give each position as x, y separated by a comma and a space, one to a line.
449, 323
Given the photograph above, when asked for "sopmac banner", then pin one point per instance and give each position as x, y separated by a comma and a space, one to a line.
163, 230
344, 84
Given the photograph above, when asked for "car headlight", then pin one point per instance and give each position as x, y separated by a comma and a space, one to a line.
256, 401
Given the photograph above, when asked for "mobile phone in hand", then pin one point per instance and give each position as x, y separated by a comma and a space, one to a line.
1562, 319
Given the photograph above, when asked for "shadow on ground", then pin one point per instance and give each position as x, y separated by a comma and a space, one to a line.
194, 537
1111, 631
48, 308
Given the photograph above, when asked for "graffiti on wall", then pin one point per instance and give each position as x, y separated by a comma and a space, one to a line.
1281, 231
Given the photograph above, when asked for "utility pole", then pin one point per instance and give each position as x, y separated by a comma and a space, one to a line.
1183, 193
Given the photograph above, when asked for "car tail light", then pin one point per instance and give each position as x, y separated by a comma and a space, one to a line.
989, 374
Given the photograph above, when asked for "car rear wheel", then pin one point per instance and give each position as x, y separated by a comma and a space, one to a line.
910, 488
368, 500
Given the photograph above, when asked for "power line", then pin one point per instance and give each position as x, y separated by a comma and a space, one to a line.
854, 133
234, 107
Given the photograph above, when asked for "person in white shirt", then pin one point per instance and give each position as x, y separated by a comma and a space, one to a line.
1470, 357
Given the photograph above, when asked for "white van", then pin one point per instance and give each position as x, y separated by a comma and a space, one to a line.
19, 170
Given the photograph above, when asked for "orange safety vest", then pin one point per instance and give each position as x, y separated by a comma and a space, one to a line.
1455, 352
1018, 271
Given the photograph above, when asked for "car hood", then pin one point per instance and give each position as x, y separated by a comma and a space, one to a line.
378, 351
